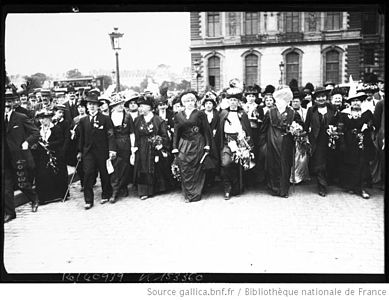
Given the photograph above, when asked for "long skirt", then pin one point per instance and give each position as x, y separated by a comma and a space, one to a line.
192, 174
50, 184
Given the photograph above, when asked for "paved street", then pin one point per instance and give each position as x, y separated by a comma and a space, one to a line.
254, 232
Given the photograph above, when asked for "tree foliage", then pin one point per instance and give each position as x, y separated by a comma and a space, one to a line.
36, 80
74, 73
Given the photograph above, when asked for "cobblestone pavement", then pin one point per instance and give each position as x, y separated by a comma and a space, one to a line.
254, 232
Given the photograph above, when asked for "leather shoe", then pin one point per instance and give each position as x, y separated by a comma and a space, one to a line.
104, 200
144, 197
8, 218
34, 207
88, 205
114, 199
227, 196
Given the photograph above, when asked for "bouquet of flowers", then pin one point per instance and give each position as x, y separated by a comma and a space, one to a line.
52, 162
156, 141
300, 137
359, 136
176, 170
334, 135
242, 154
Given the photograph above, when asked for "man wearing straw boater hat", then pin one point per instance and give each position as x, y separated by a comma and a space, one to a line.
97, 144
20, 134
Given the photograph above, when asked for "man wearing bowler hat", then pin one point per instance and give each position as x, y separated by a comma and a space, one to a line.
97, 144
20, 134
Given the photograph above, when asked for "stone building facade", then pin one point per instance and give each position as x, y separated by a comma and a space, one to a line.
312, 46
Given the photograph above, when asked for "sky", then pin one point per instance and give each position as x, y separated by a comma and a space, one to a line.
54, 43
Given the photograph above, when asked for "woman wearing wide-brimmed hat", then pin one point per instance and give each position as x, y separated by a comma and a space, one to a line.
51, 174
191, 140
357, 148
279, 142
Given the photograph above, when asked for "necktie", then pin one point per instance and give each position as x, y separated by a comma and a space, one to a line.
6, 121
93, 120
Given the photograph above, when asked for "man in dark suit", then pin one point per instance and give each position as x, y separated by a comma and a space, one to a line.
71, 110
317, 121
20, 134
97, 144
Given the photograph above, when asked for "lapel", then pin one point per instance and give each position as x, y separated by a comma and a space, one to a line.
11, 121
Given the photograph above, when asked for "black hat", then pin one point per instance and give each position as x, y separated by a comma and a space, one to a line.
298, 94
252, 90
161, 100
269, 89
309, 88
10, 94
44, 113
337, 90
146, 100
93, 96
71, 89
320, 91
379, 80
210, 96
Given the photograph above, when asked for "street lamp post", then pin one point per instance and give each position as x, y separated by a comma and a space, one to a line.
196, 68
115, 36
282, 67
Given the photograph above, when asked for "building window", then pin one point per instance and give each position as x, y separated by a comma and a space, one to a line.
332, 66
214, 72
333, 21
369, 23
292, 67
251, 69
368, 56
251, 23
292, 22
213, 24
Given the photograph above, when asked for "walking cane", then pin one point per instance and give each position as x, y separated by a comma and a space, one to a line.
71, 180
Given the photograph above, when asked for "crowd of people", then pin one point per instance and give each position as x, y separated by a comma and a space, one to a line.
153, 144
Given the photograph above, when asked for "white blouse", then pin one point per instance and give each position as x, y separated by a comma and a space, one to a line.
234, 126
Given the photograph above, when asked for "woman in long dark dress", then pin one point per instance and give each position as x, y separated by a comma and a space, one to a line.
192, 138
356, 146
279, 143
152, 143
212, 169
51, 175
